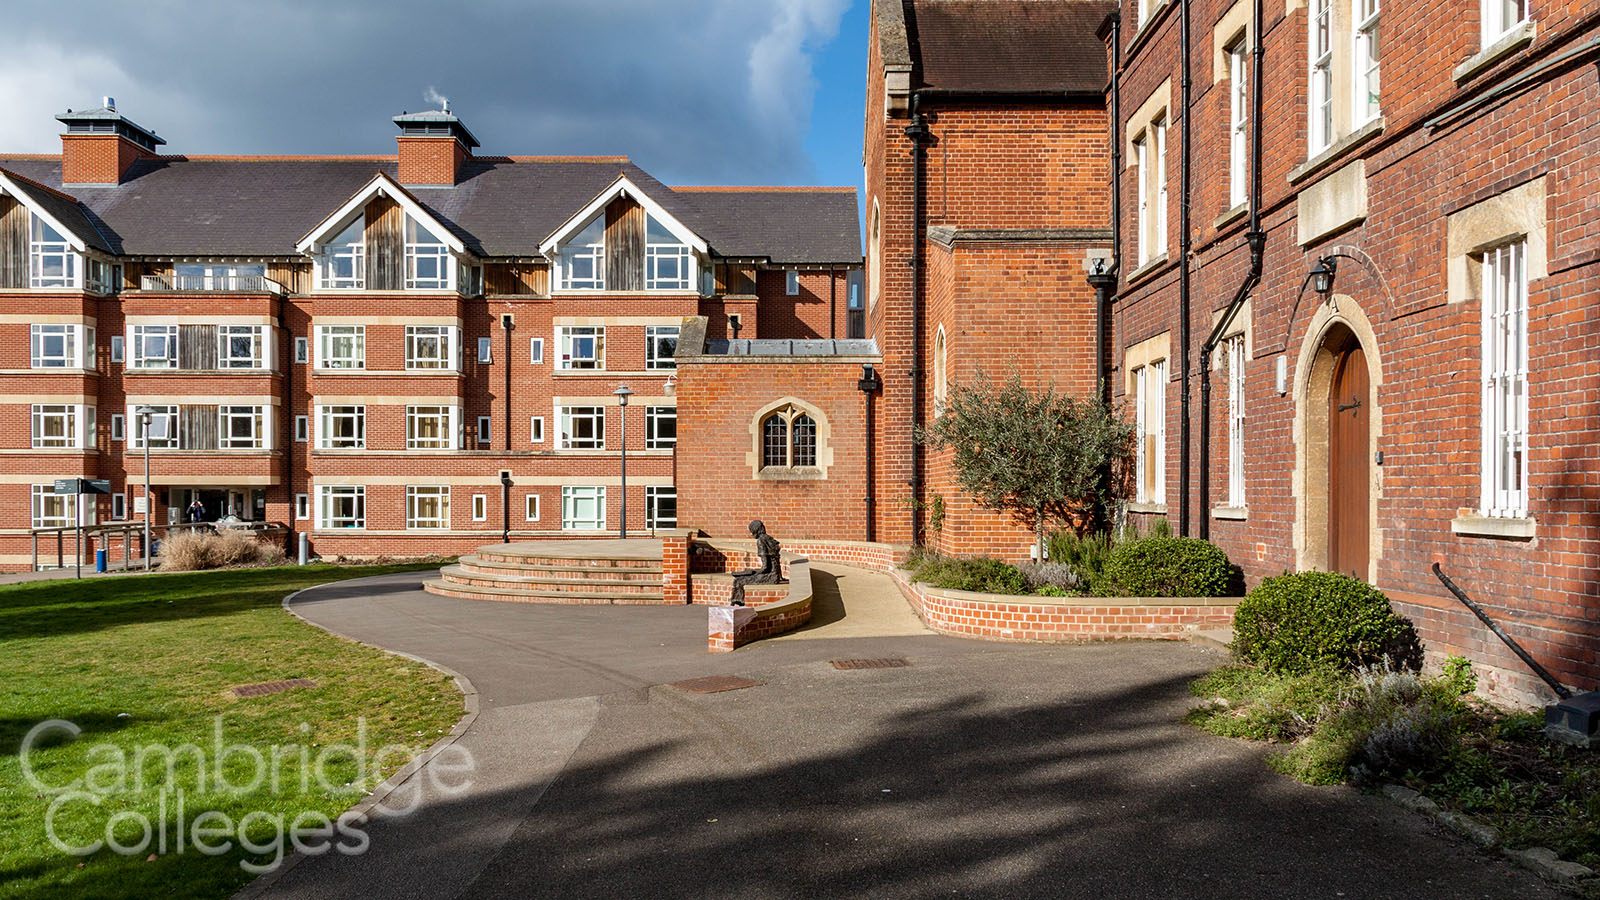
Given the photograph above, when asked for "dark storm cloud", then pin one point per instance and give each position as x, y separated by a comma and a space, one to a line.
696, 92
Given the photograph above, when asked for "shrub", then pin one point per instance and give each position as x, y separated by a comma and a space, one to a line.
990, 576
1310, 620
1062, 578
195, 550
1264, 706
1084, 555
1164, 567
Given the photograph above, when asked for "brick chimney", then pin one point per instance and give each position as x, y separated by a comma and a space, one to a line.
433, 145
100, 144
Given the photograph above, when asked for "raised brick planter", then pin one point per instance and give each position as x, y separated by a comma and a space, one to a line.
731, 627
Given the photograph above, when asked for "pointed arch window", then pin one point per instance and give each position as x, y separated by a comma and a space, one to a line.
788, 439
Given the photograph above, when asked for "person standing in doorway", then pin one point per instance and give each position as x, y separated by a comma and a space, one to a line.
197, 511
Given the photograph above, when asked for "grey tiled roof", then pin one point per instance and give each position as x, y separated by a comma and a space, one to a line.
261, 206
1009, 45
68, 212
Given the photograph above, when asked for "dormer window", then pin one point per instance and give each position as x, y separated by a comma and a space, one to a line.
52, 263
427, 258
583, 262
344, 263
666, 259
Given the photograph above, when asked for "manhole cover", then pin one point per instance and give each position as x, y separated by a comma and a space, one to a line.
271, 687
712, 684
888, 662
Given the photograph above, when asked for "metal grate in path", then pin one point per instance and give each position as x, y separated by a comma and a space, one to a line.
886, 662
271, 687
712, 684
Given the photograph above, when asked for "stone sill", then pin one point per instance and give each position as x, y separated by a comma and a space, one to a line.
1135, 506
1148, 268
1236, 513
1336, 150
1513, 40
798, 473
1231, 216
1470, 524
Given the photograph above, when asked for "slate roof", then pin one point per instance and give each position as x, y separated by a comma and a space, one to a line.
63, 209
262, 206
1008, 45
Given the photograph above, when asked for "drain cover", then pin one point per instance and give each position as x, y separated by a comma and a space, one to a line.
712, 684
887, 662
271, 687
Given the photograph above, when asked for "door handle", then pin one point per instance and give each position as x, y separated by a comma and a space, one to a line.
1355, 403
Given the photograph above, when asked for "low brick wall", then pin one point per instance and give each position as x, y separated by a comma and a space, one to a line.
1004, 617
772, 609
716, 589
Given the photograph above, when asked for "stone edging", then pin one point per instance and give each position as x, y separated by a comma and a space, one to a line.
469, 701
1542, 861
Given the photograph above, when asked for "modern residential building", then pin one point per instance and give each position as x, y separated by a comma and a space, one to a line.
398, 355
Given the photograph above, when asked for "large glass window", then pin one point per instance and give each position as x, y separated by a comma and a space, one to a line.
61, 346
660, 343
583, 508
1505, 381
582, 346
1321, 90
431, 346
52, 263
788, 439
343, 265
1233, 352
583, 260
1238, 125
341, 346
661, 427
428, 506
56, 426
1365, 98
241, 427
163, 430
155, 346
342, 506
341, 427
661, 506
50, 509
241, 347
582, 427
430, 428
666, 259
1150, 421
427, 258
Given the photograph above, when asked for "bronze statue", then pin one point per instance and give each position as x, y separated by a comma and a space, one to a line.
771, 571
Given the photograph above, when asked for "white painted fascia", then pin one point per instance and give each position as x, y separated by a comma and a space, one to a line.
9, 187
381, 185
622, 187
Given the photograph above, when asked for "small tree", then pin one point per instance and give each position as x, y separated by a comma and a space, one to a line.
1039, 456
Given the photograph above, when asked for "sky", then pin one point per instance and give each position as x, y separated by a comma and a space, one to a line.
695, 91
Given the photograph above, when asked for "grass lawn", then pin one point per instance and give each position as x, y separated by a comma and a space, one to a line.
137, 661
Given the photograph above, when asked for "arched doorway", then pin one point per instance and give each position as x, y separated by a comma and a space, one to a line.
1349, 461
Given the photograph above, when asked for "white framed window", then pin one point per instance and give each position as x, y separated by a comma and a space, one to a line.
485, 350
536, 429
667, 264
430, 427
480, 507
582, 347
241, 427
302, 506
1505, 380
484, 433
118, 427
341, 347
535, 350
302, 350
530, 507
427, 259
660, 427
1141, 13
660, 343
1158, 130
302, 429
660, 506
1500, 16
342, 506
119, 507
1141, 160
1150, 448
1238, 125
62, 426
116, 348
582, 427
341, 427
52, 263
50, 509
1320, 118
431, 347
583, 259
791, 283
583, 508
155, 346
343, 263
1364, 99
61, 346
428, 506
241, 347
1233, 352
163, 428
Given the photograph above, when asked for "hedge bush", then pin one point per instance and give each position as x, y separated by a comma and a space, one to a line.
1301, 622
1165, 567
983, 574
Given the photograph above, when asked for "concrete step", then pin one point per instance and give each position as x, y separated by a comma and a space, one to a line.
474, 563
647, 585
1214, 638
570, 562
524, 595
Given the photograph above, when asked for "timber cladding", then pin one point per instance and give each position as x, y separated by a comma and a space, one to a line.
386, 245
13, 243
625, 230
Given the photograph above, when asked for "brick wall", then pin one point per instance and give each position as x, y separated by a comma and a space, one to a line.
97, 158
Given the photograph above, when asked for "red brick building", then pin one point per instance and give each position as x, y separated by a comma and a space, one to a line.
1430, 397
397, 354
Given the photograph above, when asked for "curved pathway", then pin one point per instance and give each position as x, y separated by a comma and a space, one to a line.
981, 769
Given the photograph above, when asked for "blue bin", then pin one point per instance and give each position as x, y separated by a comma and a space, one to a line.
100, 560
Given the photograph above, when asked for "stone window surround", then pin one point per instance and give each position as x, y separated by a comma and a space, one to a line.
1137, 129
1135, 356
819, 472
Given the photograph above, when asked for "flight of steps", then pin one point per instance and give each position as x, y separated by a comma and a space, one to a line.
519, 574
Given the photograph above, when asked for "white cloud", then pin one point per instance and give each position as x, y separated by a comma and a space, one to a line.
40, 79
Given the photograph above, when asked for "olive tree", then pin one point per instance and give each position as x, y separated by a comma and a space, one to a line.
1040, 456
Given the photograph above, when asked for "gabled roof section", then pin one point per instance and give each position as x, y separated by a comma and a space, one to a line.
622, 187
381, 185
61, 211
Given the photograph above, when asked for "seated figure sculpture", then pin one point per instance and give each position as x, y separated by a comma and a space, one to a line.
771, 569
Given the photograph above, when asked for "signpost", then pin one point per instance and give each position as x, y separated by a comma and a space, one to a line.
76, 487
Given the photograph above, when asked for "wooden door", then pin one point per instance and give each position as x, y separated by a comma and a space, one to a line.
1349, 478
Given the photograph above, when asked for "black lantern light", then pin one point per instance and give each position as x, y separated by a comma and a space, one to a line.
1322, 276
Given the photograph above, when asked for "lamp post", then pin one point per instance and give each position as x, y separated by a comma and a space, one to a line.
622, 394
145, 415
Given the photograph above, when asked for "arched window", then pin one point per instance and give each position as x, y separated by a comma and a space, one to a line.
875, 256
788, 439
940, 374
